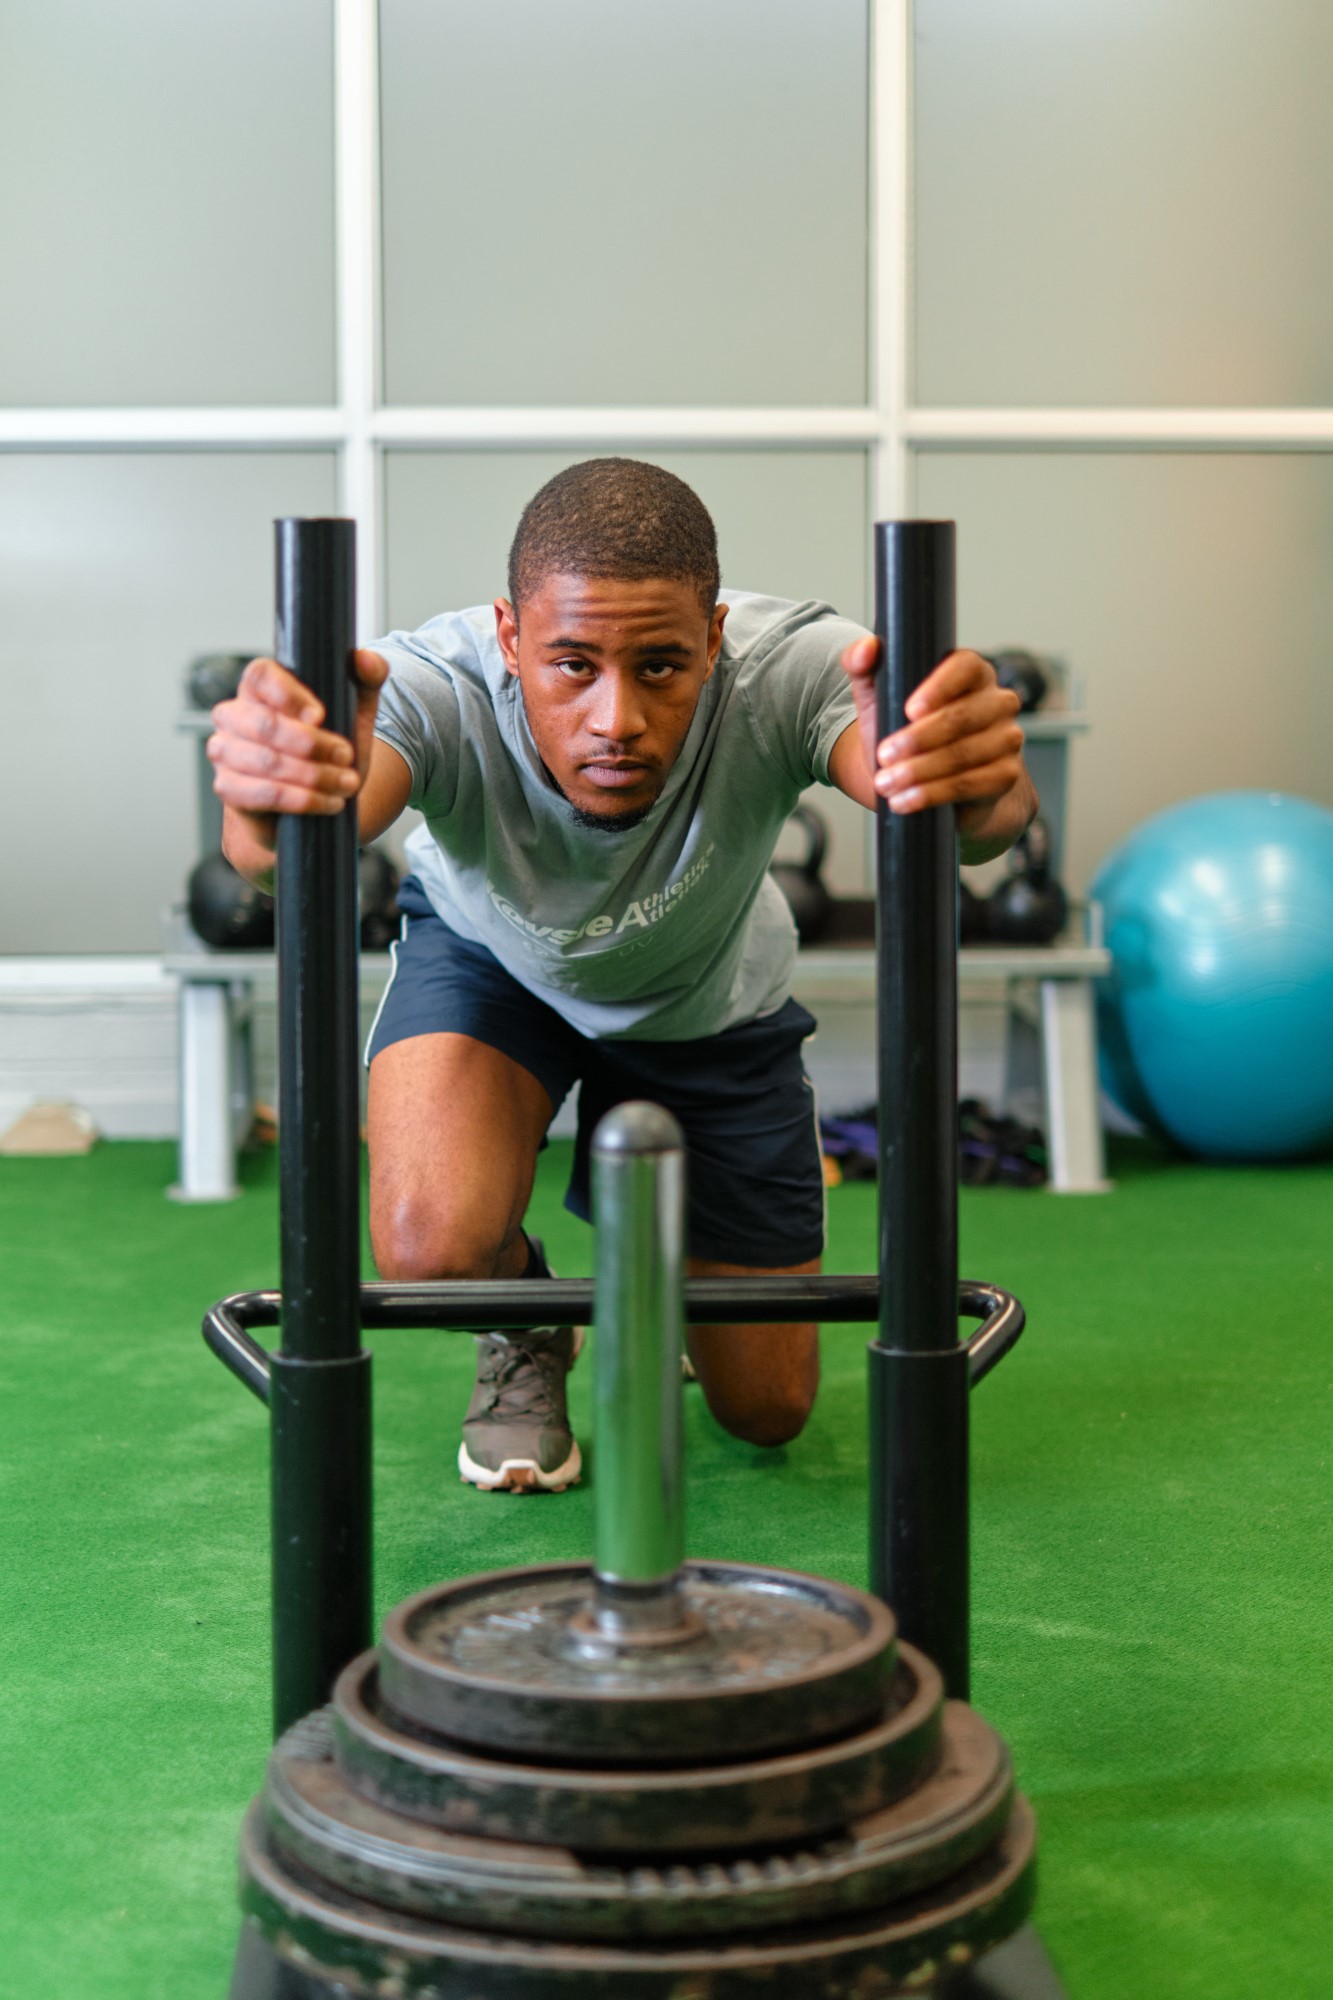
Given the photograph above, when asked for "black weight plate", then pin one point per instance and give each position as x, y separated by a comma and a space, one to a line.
497, 1661
645, 1810
346, 1947
316, 1820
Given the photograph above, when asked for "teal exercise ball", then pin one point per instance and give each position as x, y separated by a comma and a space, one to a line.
1215, 1023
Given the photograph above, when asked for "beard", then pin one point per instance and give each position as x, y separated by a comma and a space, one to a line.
603, 822
607, 822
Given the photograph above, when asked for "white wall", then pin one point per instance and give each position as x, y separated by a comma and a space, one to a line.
119, 567
1195, 594
1114, 206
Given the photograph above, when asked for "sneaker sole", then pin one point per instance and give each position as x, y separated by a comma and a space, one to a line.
520, 1475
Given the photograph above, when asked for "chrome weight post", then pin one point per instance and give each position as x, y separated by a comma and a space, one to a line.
639, 1493
640, 1656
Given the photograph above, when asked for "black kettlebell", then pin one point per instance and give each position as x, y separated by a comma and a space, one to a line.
214, 677
377, 899
226, 910
1022, 671
1031, 907
973, 915
801, 882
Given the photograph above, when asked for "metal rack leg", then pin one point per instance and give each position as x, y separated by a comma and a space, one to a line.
207, 1151
1069, 1063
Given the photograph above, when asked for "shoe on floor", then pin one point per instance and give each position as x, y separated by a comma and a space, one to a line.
516, 1435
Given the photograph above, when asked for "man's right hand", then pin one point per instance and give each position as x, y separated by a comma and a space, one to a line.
270, 755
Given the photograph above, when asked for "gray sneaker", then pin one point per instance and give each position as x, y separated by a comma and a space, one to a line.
516, 1435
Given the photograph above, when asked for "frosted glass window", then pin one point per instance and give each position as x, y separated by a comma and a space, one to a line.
589, 202
116, 569
166, 202
1124, 201
789, 522
1192, 593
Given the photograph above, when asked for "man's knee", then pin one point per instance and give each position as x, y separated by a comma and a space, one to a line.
765, 1420
760, 1382
415, 1242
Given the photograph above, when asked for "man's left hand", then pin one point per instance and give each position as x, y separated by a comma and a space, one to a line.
961, 746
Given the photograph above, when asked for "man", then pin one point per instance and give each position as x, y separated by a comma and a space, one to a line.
604, 761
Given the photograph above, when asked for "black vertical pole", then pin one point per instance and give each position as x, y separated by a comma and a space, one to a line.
918, 1370
320, 1399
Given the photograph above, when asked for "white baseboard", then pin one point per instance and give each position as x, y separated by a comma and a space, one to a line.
101, 1033
97, 1032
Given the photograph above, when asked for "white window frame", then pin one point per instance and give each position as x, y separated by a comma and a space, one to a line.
890, 428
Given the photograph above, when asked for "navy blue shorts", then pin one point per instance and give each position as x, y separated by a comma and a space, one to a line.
756, 1183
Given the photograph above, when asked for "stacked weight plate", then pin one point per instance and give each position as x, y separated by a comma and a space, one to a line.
507, 1801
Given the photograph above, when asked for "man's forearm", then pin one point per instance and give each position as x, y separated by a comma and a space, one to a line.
271, 756
250, 839
993, 825
245, 846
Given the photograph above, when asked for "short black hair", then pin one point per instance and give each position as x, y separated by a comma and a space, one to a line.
615, 517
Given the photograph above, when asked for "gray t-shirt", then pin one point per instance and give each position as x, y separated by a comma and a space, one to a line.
666, 932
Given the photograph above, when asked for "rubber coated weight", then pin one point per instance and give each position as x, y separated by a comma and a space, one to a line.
347, 1949
682, 1809
503, 1661
317, 1821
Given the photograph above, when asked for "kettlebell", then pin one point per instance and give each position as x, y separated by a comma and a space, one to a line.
1031, 907
1022, 671
973, 915
377, 899
226, 910
801, 882
214, 677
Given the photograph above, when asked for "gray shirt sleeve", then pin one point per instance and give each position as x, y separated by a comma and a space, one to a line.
419, 716
798, 696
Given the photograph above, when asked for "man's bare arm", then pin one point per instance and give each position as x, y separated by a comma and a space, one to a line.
961, 746
271, 755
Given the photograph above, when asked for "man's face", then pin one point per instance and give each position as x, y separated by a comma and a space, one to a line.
611, 673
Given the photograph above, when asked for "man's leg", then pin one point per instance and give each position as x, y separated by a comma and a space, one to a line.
756, 1196
454, 1130
455, 1127
760, 1381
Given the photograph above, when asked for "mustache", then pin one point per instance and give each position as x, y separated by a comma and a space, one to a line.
610, 822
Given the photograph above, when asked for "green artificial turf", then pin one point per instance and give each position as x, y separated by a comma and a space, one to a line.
1151, 1552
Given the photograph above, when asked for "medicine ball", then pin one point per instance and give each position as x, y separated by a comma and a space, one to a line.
226, 910
214, 677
